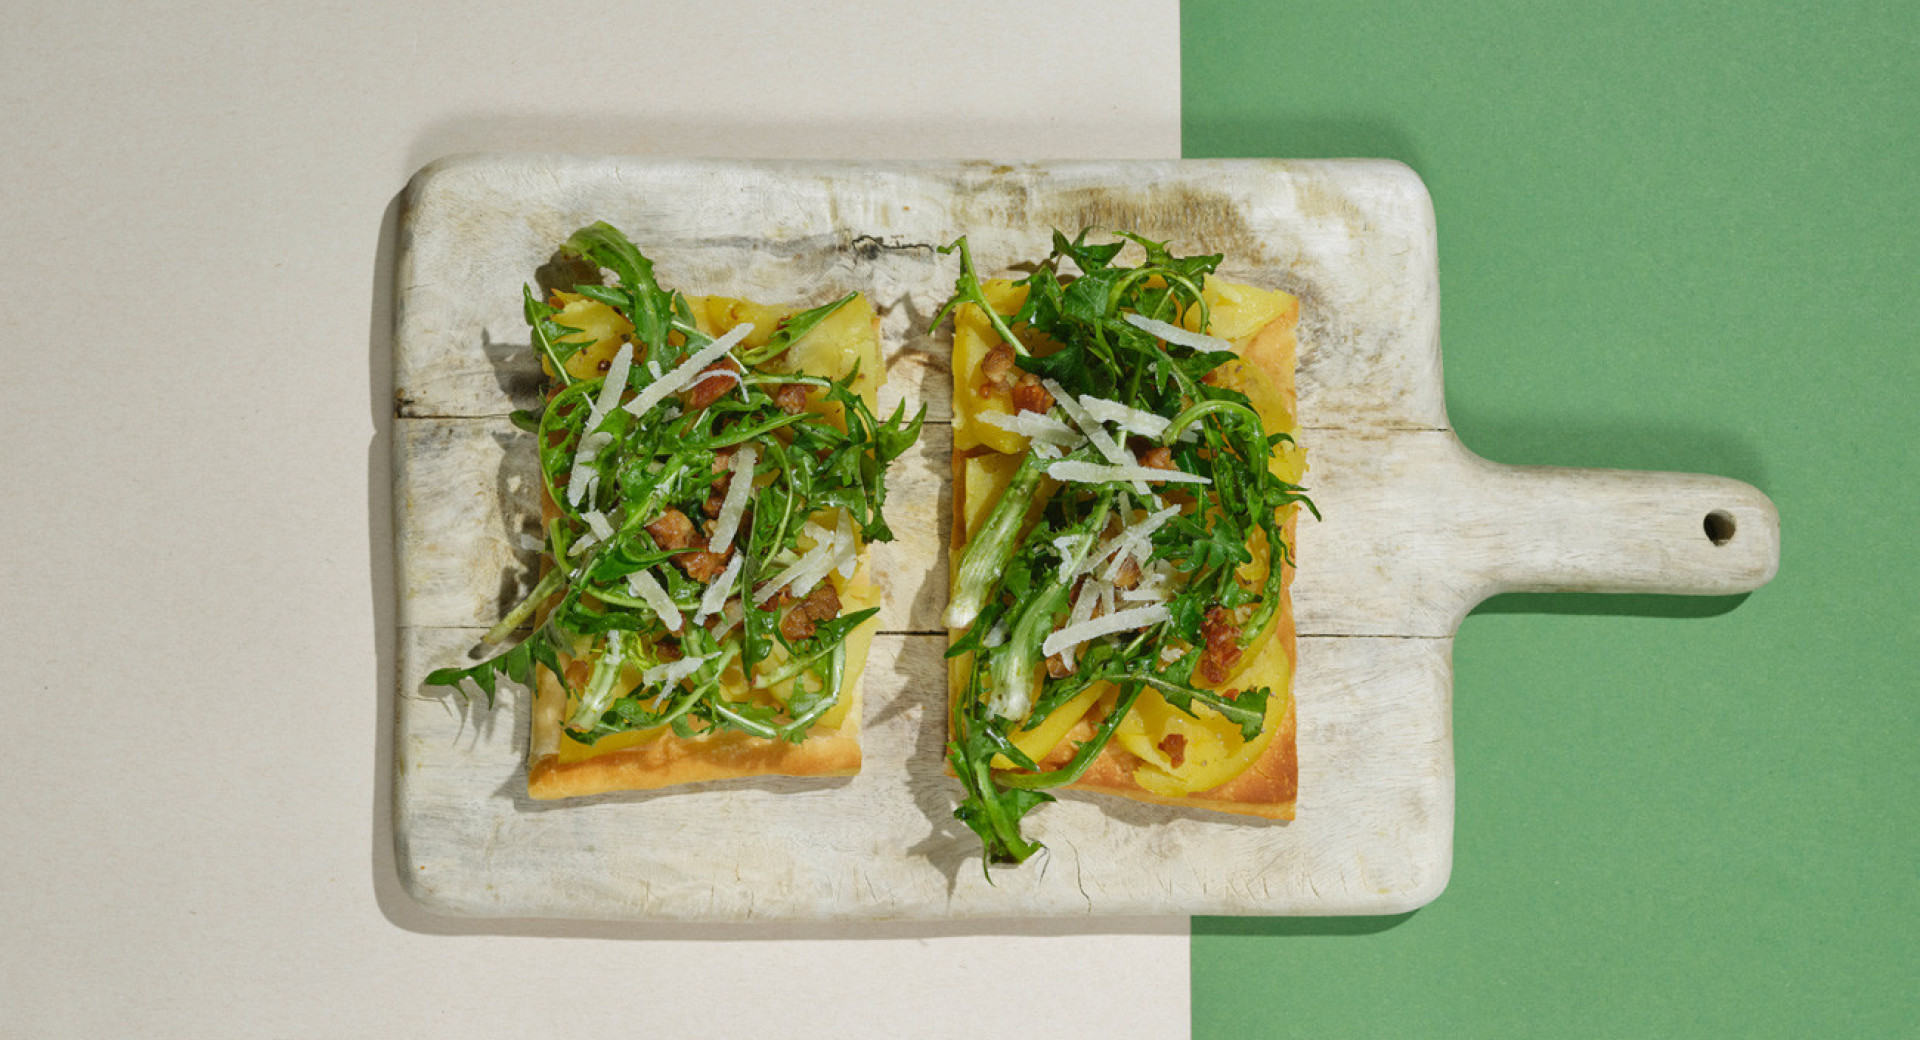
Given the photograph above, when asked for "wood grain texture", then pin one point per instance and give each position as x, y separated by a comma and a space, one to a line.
1417, 530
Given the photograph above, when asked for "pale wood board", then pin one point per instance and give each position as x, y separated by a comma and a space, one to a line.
1417, 531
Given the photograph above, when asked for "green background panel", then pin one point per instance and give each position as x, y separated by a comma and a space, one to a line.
1671, 237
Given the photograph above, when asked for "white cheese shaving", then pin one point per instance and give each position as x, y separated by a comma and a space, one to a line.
735, 504
1122, 621
1135, 541
1176, 334
1040, 428
846, 549
1153, 585
583, 479
831, 549
1094, 473
673, 671
687, 371
729, 618
647, 587
611, 390
1102, 440
1132, 420
715, 598
1046, 450
597, 522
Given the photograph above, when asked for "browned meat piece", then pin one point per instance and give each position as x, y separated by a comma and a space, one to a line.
821, 604
1175, 747
1223, 645
709, 387
672, 530
701, 565
791, 397
1030, 396
998, 364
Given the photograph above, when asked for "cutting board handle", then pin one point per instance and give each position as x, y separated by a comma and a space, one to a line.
1601, 530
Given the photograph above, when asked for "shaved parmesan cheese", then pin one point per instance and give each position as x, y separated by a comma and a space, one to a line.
673, 671
1132, 420
1040, 428
831, 549
995, 635
1046, 450
846, 549
597, 523
647, 587
735, 504
615, 385
687, 371
715, 598
583, 478
1133, 541
1123, 621
1093, 473
1176, 334
1102, 441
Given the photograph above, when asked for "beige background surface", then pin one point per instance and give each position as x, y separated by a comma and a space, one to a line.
194, 547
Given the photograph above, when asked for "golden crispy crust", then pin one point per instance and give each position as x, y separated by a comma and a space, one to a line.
668, 760
1269, 786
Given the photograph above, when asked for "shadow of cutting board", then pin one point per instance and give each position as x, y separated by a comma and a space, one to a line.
1417, 530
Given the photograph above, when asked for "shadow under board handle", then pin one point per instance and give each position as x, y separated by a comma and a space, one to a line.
1606, 530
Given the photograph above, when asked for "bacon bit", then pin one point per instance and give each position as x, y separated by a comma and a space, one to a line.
1158, 457
1030, 396
1129, 575
702, 566
998, 364
717, 491
605, 364
1059, 666
1223, 645
668, 650
672, 530
708, 388
791, 397
1174, 745
1232, 695
821, 604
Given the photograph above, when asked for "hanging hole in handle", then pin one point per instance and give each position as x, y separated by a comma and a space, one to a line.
1719, 526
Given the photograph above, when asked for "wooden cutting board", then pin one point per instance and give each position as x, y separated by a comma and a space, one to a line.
1417, 530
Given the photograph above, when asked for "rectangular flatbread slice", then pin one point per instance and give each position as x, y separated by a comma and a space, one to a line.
1155, 752
712, 475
